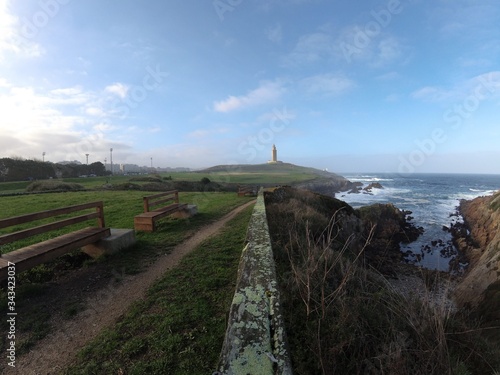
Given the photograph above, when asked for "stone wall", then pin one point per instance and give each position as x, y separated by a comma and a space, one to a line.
255, 341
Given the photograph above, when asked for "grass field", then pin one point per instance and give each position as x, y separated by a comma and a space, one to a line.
119, 210
279, 174
120, 207
179, 328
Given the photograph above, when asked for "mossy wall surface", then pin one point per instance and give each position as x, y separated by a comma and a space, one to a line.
255, 340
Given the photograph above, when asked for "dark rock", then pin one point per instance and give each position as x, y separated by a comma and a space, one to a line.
373, 185
291, 209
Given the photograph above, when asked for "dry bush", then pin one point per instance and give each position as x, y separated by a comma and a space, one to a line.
343, 317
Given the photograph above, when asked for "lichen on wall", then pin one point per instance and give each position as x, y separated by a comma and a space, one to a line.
255, 341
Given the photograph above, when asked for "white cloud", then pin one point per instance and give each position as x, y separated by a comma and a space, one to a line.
329, 84
154, 129
278, 114
392, 98
275, 34
95, 111
386, 51
354, 44
118, 89
267, 92
388, 76
11, 40
4, 83
481, 87
478, 18
349, 44
311, 48
430, 93
60, 122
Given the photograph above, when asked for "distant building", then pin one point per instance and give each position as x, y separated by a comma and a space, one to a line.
274, 156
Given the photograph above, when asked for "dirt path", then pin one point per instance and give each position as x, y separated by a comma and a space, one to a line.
55, 352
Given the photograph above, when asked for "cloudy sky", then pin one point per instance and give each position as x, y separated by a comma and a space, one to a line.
358, 86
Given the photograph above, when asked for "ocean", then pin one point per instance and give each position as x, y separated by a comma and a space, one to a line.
433, 200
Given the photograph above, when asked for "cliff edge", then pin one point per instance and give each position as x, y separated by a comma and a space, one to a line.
479, 239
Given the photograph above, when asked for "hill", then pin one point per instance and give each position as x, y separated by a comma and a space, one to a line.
313, 179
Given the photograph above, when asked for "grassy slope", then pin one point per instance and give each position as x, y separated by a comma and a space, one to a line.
281, 173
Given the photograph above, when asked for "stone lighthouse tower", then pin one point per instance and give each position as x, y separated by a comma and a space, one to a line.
274, 158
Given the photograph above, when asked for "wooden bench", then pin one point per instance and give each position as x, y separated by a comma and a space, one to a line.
246, 191
33, 255
169, 202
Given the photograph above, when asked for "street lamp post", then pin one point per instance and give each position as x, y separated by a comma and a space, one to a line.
111, 159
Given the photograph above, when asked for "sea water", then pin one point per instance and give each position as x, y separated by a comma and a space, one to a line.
433, 200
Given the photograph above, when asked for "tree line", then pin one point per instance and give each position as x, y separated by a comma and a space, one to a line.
18, 169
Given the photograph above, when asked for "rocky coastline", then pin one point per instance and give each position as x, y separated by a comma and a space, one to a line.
478, 238
386, 225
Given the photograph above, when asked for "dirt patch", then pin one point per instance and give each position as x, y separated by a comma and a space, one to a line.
56, 351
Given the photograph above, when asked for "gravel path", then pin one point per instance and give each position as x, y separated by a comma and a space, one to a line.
56, 351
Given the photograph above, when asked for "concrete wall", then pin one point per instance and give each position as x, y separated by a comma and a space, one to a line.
255, 340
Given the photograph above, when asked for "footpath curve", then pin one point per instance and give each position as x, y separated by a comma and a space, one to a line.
56, 351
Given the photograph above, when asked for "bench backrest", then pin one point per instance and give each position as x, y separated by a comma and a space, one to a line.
23, 219
162, 199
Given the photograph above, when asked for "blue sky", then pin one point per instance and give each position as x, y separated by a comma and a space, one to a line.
362, 86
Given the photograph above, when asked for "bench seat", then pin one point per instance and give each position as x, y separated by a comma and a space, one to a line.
33, 255
146, 220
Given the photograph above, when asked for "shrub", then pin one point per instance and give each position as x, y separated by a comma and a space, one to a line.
53, 185
126, 186
146, 179
343, 317
495, 202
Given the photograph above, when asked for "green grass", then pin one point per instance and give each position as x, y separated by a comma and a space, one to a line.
269, 174
180, 326
119, 210
495, 202
12, 187
120, 207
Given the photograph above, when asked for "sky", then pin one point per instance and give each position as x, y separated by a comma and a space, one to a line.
405, 86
